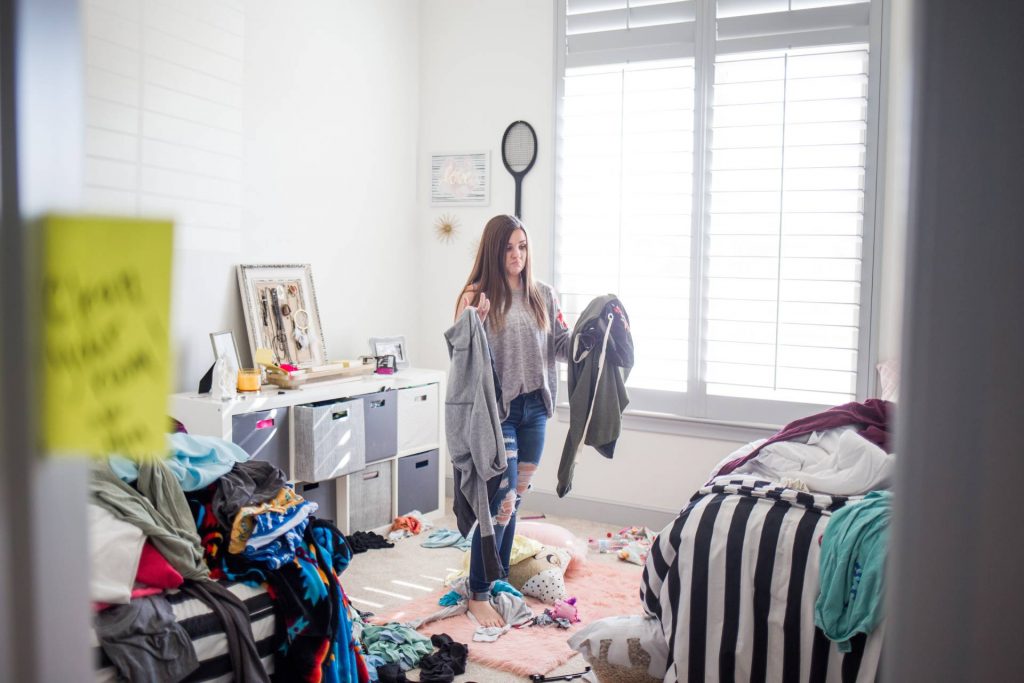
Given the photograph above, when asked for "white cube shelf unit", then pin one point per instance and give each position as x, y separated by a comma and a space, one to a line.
366, 449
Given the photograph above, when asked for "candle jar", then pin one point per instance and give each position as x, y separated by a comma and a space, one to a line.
249, 379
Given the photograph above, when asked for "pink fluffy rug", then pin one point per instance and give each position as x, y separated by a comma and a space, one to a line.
602, 590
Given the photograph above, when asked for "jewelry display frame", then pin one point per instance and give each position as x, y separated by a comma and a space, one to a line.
273, 296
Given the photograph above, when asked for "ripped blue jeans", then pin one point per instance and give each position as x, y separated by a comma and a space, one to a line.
524, 443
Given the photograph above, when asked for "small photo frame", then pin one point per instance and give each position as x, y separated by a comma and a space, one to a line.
281, 313
460, 179
391, 346
224, 346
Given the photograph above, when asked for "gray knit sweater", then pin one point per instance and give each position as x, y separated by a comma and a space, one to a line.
525, 355
476, 446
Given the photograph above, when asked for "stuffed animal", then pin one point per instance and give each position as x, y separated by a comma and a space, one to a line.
565, 609
542, 576
557, 536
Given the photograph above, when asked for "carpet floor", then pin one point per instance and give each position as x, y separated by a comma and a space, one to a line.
404, 580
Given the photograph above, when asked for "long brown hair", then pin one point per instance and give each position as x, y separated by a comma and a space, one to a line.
489, 276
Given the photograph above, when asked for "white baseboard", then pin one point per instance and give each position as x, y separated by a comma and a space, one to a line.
586, 508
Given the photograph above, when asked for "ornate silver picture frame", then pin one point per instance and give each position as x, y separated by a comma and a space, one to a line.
281, 313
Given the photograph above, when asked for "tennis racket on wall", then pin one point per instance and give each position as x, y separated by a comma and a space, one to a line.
518, 152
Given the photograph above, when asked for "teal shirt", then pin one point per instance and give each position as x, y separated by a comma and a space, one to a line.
852, 569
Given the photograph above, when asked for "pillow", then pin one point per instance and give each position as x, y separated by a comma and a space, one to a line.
115, 547
542, 576
623, 649
522, 548
889, 380
560, 537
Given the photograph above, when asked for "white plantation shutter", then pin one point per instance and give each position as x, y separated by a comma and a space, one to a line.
788, 139
625, 205
781, 162
622, 31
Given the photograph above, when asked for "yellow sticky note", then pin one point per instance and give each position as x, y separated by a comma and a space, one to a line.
106, 335
264, 357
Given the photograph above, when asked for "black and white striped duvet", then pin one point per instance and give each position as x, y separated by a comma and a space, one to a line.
207, 634
733, 581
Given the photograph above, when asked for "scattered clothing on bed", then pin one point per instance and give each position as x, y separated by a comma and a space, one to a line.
250, 518
158, 507
206, 632
600, 358
476, 446
836, 461
317, 640
246, 666
361, 541
153, 576
196, 461
733, 582
853, 552
247, 484
512, 608
281, 550
871, 418
448, 662
447, 538
145, 642
115, 549
155, 571
393, 644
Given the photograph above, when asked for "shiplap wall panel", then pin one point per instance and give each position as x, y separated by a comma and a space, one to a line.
163, 93
106, 144
189, 134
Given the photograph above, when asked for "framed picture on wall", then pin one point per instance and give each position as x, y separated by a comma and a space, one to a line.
281, 313
460, 179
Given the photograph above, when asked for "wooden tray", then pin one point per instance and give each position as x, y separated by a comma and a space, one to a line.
332, 371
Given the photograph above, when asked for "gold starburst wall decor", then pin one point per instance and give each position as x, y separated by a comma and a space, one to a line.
446, 227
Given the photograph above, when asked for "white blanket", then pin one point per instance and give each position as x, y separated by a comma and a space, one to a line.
838, 462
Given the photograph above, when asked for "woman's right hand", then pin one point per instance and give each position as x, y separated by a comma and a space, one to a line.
483, 306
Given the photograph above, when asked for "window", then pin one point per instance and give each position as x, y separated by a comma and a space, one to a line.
715, 171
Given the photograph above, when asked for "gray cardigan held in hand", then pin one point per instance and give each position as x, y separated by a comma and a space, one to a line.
473, 429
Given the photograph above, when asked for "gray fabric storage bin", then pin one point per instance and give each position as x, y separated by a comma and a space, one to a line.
264, 435
369, 497
329, 440
324, 494
380, 418
417, 483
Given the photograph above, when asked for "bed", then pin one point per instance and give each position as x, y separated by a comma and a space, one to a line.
732, 582
206, 631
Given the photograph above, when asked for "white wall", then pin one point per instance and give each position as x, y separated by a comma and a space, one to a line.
484, 64
296, 128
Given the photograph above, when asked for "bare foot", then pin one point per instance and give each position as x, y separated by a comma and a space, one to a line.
485, 615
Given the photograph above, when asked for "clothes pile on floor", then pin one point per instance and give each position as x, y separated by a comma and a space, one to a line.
408, 525
361, 541
441, 666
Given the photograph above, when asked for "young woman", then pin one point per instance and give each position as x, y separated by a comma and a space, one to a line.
526, 334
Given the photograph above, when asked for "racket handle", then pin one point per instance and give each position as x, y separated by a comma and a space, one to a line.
519, 197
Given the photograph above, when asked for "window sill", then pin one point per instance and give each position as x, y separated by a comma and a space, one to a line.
664, 423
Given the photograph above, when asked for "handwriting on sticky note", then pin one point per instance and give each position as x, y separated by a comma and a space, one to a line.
106, 346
